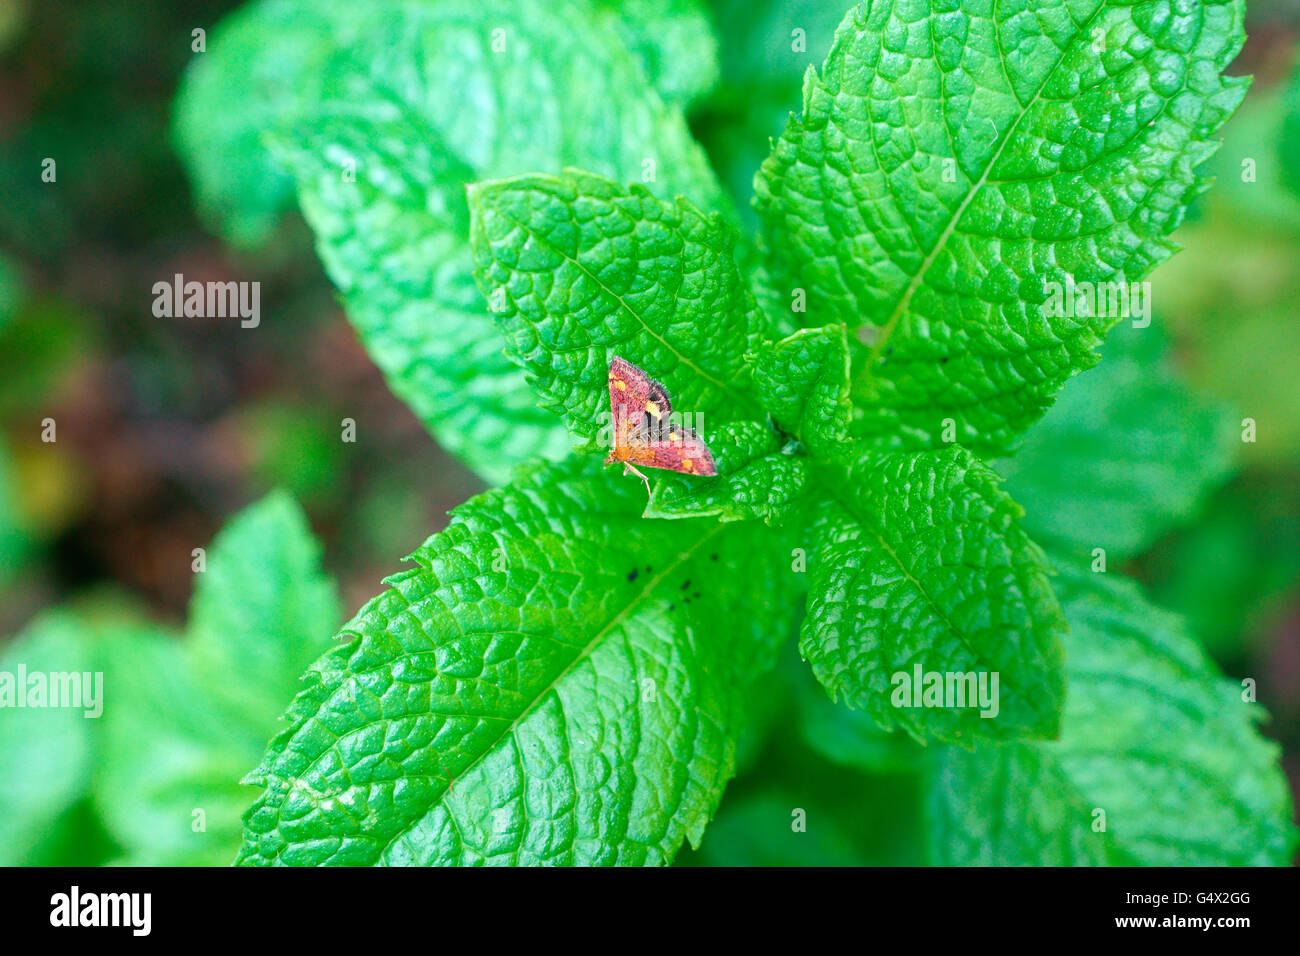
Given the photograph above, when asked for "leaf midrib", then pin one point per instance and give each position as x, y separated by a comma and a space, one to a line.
544, 241
963, 638
905, 300
581, 655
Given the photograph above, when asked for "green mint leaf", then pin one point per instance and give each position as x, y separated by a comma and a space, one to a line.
263, 64
579, 269
381, 150
1127, 452
393, 242
150, 748
950, 164
262, 611
185, 719
535, 85
45, 752
848, 738
753, 576
133, 762
849, 817
755, 478
1153, 737
769, 46
920, 565
555, 681
803, 380
169, 754
673, 42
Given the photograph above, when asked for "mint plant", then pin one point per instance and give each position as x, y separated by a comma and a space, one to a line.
508, 196
159, 765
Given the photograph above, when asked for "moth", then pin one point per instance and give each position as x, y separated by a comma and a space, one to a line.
643, 433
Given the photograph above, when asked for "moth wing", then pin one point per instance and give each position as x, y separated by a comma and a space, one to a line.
636, 392
657, 403
683, 451
629, 390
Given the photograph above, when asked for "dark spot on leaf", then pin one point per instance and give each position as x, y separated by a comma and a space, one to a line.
672, 607
686, 584
631, 575
713, 557
944, 360
696, 594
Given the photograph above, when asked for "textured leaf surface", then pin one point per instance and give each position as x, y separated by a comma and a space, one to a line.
803, 380
393, 242
563, 90
1152, 735
755, 478
383, 112
922, 563
583, 269
951, 162
547, 685
1127, 452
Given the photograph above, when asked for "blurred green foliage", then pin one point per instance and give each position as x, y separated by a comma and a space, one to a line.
182, 718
